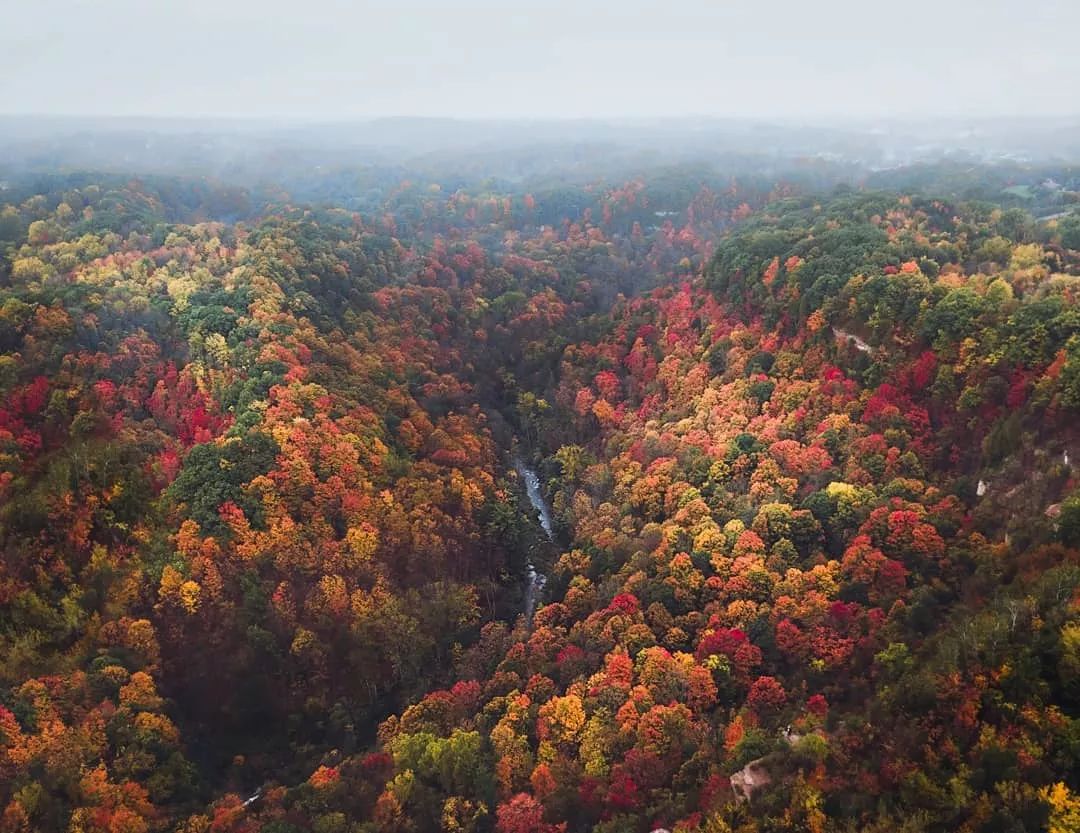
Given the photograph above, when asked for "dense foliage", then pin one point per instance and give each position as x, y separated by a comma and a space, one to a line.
263, 549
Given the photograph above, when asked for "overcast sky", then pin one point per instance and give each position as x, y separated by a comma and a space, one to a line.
340, 59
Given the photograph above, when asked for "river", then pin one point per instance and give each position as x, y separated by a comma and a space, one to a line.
534, 579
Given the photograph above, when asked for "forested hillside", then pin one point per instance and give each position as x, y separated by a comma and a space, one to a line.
263, 548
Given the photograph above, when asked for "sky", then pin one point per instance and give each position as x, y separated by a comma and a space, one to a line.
339, 60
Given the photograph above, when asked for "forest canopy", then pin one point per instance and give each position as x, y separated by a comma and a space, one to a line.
806, 438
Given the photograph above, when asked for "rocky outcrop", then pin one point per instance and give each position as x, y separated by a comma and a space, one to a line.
749, 780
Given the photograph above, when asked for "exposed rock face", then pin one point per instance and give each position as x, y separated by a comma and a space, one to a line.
791, 736
860, 345
754, 776
749, 780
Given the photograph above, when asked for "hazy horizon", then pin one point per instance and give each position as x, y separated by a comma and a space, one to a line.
328, 61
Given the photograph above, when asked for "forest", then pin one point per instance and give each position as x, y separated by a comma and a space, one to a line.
808, 439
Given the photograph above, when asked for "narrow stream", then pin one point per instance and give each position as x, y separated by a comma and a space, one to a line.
534, 580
